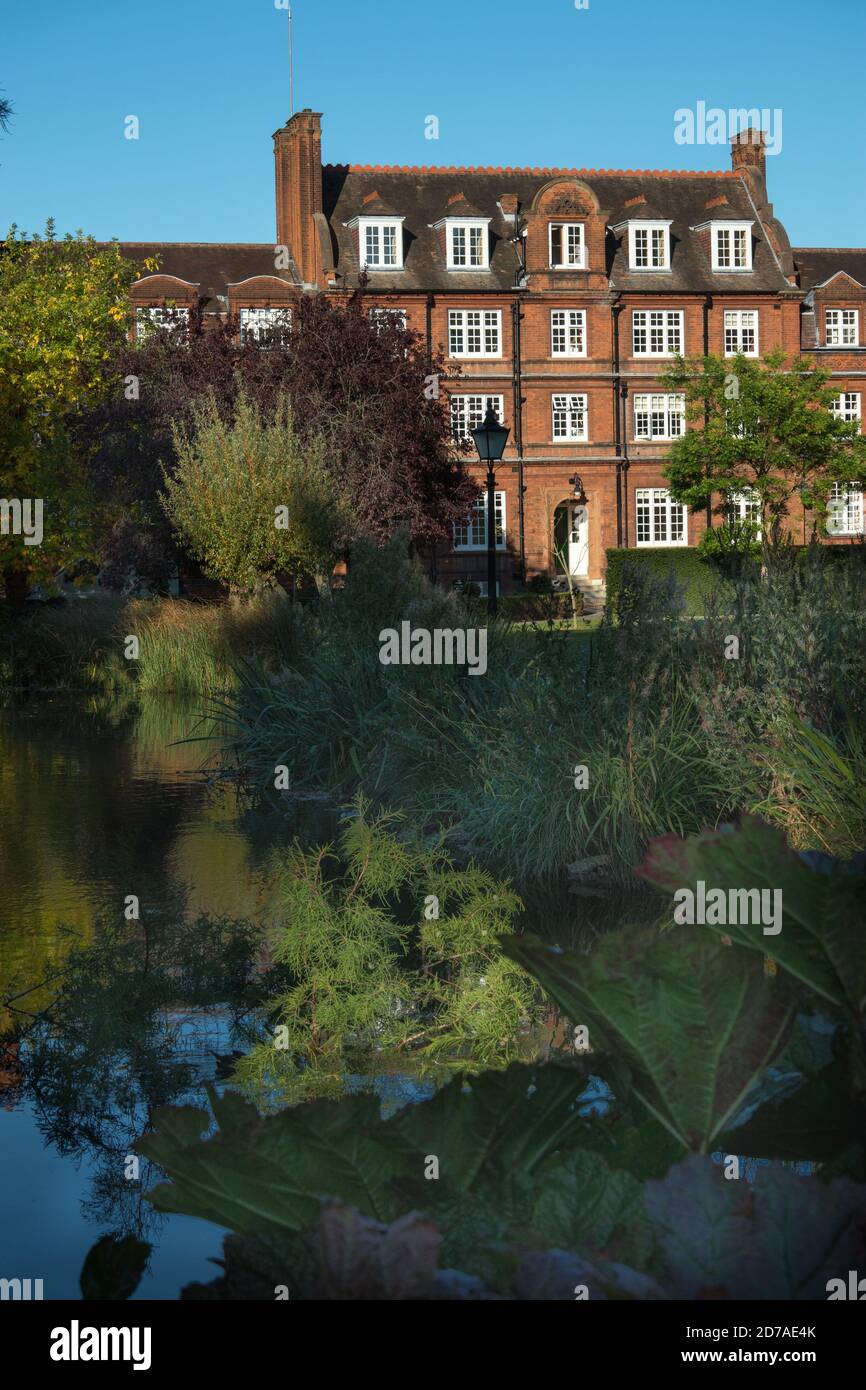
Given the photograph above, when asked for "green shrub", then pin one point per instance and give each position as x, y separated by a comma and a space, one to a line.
541, 606
391, 949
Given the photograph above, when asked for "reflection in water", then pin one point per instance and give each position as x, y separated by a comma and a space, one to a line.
104, 1019
95, 806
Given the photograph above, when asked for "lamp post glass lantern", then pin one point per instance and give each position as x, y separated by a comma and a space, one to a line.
490, 440
577, 489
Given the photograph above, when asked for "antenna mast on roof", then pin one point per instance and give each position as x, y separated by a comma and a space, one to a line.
291, 68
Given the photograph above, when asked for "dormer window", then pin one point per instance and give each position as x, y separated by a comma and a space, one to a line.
380, 243
466, 243
732, 245
649, 245
567, 246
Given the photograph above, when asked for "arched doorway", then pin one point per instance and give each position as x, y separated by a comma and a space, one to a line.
571, 538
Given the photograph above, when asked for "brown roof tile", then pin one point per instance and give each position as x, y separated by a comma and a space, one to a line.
817, 264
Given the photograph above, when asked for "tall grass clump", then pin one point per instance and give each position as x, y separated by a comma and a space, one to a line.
794, 700
818, 788
573, 750
491, 759
185, 647
588, 755
338, 718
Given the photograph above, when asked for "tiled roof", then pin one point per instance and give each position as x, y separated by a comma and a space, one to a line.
419, 195
212, 266
817, 264
637, 210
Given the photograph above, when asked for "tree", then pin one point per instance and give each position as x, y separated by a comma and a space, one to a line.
370, 389
251, 500
63, 304
766, 429
6, 111
367, 388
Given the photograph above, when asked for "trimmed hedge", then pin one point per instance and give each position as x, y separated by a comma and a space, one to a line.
698, 572
695, 572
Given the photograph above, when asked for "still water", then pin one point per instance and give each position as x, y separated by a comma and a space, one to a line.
96, 804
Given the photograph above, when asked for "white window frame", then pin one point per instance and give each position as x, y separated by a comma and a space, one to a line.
652, 230
569, 326
378, 227
670, 408
256, 320
471, 407
745, 506
647, 323
475, 525
653, 505
475, 242
465, 324
569, 417
572, 232
842, 327
846, 406
150, 317
845, 510
383, 314
735, 330
731, 242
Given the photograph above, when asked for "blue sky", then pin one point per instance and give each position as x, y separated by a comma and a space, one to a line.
519, 82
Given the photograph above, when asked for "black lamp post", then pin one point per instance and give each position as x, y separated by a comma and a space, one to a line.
490, 440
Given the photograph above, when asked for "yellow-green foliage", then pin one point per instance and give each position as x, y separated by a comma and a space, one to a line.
62, 304
392, 950
251, 500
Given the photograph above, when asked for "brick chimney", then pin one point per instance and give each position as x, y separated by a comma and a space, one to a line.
298, 161
748, 157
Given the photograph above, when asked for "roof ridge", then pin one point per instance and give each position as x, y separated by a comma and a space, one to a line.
239, 245
552, 172
834, 250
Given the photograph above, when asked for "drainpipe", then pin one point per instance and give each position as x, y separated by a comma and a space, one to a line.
623, 393
615, 311
708, 304
517, 383
430, 302
429, 313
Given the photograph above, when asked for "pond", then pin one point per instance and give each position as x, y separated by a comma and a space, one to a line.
99, 804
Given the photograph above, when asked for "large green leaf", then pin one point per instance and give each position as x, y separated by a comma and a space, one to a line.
584, 1204
490, 1135
259, 1174
509, 1121
822, 942
696, 1021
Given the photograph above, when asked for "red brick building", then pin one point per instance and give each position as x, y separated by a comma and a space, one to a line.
559, 295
